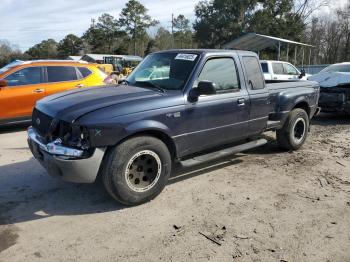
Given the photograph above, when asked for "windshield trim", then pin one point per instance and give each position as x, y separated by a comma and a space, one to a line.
190, 76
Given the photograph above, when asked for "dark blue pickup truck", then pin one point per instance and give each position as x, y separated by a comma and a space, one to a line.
180, 105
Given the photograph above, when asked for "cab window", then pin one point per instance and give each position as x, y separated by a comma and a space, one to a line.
278, 68
290, 70
265, 67
253, 71
61, 74
85, 72
25, 76
222, 72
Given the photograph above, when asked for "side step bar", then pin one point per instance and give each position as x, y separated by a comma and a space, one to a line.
222, 153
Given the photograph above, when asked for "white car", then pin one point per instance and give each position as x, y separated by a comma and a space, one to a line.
281, 71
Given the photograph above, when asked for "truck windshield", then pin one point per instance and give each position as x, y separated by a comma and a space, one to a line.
168, 71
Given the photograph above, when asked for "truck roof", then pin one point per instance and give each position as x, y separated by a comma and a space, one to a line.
274, 61
205, 51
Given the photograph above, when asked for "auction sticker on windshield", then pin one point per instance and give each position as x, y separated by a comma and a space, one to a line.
187, 57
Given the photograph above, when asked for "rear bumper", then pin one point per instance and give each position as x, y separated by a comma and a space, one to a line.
70, 169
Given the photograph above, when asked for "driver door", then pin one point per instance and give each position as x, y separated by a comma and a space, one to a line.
291, 71
25, 87
220, 118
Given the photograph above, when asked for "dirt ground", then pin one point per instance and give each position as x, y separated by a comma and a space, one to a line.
262, 205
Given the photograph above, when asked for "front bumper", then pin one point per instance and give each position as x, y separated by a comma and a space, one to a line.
62, 163
334, 102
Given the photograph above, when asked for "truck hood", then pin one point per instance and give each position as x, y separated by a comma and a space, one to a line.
331, 79
71, 105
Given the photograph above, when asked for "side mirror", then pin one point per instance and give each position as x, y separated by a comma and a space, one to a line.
302, 73
203, 88
3, 83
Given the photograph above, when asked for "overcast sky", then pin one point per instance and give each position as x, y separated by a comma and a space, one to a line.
27, 22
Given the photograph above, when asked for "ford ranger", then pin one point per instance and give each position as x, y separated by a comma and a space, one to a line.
200, 105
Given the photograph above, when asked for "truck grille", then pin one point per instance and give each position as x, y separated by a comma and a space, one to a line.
41, 122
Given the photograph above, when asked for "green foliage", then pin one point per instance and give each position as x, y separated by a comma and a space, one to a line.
220, 21
105, 37
277, 18
163, 39
183, 34
8, 53
135, 21
217, 22
70, 45
47, 49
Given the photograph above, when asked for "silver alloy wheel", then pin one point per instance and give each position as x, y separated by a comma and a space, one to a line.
299, 130
143, 171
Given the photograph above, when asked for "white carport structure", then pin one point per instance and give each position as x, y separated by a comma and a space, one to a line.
257, 42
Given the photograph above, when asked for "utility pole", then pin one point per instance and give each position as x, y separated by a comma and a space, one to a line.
172, 31
93, 22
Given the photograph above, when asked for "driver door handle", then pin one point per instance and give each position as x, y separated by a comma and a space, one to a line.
79, 86
39, 90
241, 102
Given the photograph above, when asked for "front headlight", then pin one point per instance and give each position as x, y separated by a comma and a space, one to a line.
76, 136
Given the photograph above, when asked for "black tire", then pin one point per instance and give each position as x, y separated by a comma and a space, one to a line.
134, 156
294, 132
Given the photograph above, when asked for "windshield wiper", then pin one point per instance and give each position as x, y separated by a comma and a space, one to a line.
124, 82
153, 85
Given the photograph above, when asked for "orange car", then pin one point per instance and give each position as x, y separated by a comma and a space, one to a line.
23, 83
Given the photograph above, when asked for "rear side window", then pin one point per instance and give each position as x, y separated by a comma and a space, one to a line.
222, 72
85, 72
278, 68
253, 71
26, 76
61, 73
264, 67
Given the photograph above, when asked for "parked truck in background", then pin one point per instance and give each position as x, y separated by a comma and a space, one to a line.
211, 103
281, 71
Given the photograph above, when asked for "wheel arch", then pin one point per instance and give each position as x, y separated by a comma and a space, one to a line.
164, 137
303, 105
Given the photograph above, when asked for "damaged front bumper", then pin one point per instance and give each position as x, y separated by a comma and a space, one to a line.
335, 99
64, 162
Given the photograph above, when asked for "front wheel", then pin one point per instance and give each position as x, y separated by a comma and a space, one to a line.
137, 170
294, 132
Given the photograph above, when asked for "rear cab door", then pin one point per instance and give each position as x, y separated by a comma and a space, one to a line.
291, 71
258, 93
62, 78
90, 76
25, 87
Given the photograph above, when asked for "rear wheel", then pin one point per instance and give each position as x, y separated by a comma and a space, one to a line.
137, 170
294, 132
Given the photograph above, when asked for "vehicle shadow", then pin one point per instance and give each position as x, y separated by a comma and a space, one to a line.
13, 128
27, 193
180, 173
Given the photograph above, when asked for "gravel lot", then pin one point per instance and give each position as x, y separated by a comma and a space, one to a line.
262, 205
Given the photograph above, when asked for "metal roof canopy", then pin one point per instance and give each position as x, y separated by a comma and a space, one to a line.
257, 42
100, 57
